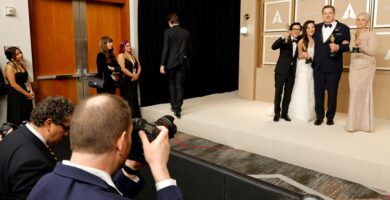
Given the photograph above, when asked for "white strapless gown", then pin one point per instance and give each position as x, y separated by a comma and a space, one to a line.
302, 97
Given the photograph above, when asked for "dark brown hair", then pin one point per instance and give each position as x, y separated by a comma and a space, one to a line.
304, 32
328, 6
57, 108
173, 18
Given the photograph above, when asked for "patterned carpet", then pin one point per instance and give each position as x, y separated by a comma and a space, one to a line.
328, 187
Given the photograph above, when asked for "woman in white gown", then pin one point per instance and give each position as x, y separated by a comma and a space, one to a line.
302, 97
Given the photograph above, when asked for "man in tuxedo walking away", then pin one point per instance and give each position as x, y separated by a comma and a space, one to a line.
285, 69
175, 61
332, 37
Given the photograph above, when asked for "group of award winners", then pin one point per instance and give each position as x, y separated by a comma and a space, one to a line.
312, 62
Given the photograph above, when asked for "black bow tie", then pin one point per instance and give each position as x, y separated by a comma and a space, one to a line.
328, 25
296, 41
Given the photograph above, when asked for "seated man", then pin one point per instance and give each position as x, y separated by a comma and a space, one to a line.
100, 140
25, 155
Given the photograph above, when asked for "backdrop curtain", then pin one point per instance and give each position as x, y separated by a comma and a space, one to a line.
214, 26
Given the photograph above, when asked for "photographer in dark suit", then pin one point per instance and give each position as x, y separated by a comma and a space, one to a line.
175, 61
285, 69
100, 139
331, 39
25, 155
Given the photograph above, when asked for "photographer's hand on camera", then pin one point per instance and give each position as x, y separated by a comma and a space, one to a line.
157, 154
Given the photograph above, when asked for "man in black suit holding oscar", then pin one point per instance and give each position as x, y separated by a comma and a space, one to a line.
331, 40
175, 61
285, 69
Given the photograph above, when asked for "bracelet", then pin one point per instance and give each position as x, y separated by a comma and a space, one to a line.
129, 170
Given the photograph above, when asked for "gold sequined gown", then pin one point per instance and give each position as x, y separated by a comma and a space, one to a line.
361, 79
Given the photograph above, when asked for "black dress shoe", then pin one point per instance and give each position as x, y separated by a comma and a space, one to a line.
177, 114
318, 122
276, 118
330, 122
286, 117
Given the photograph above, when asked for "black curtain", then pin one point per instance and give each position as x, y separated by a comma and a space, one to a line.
214, 27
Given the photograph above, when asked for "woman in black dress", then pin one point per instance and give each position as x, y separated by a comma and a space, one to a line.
20, 93
131, 70
107, 65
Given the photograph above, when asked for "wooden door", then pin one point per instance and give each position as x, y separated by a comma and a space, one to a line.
65, 37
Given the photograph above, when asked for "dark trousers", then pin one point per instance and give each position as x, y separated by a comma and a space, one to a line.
176, 86
283, 84
330, 83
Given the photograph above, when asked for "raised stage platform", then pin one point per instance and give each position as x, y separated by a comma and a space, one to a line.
359, 157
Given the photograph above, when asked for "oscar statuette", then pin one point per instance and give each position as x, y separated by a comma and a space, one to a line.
332, 39
308, 60
287, 39
356, 48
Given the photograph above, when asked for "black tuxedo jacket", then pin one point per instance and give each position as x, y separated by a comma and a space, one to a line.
177, 47
286, 56
321, 60
24, 159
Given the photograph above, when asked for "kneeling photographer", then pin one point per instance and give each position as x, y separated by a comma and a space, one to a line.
25, 155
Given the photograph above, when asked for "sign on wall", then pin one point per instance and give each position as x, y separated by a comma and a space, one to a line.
383, 49
382, 13
270, 56
276, 15
347, 10
309, 10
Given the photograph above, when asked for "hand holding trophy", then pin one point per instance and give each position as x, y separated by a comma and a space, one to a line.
356, 48
287, 34
332, 54
304, 49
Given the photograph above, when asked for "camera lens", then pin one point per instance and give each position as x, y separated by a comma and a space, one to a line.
167, 121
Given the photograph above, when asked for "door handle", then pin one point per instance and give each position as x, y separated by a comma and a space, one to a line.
57, 77
80, 74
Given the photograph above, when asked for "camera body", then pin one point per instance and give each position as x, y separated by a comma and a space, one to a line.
7, 128
151, 131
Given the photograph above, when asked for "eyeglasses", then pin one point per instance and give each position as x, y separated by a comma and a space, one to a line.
296, 29
66, 128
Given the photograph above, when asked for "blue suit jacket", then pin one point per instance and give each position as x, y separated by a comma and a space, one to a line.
321, 60
67, 182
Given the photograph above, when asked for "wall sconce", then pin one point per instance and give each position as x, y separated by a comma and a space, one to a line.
244, 27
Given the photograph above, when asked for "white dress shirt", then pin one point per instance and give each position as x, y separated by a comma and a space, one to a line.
326, 32
35, 132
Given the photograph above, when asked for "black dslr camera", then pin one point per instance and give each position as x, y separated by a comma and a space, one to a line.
151, 131
7, 128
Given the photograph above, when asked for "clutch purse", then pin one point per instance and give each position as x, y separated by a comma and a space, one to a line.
95, 82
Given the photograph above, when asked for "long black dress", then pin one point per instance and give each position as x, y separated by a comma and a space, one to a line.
129, 89
18, 106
